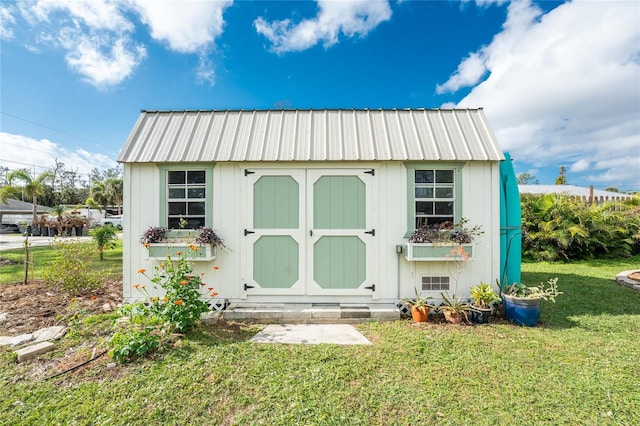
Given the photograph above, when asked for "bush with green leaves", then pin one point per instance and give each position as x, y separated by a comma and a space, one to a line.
134, 342
71, 270
555, 227
182, 305
151, 322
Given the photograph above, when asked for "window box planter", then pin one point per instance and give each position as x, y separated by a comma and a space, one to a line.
162, 250
429, 252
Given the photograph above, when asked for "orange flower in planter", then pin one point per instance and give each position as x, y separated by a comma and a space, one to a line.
193, 247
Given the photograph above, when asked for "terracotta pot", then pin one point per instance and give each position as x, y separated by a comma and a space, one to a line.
453, 317
419, 314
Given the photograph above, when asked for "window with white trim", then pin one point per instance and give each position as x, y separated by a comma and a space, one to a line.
434, 196
186, 198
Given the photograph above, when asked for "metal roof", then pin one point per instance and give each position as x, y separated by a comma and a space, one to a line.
311, 135
571, 190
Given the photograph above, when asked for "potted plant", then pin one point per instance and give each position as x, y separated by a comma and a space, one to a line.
419, 307
207, 235
434, 242
522, 302
454, 309
483, 296
198, 245
153, 234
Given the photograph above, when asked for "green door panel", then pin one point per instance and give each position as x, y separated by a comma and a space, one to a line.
275, 261
339, 203
339, 262
275, 203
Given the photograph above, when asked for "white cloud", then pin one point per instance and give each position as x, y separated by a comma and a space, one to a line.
351, 18
563, 86
187, 27
580, 166
97, 35
6, 21
22, 150
104, 64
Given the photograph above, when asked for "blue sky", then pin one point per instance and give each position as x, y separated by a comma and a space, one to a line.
559, 81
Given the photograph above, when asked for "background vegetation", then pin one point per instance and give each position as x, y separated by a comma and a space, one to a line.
554, 227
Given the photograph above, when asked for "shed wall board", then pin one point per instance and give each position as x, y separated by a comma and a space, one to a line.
395, 277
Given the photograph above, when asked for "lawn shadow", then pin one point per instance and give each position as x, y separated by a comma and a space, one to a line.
584, 295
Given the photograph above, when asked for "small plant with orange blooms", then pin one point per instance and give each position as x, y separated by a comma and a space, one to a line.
151, 322
182, 304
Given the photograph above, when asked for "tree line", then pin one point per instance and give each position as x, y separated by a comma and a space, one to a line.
62, 185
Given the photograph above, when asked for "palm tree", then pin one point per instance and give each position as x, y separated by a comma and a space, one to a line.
100, 194
114, 190
32, 187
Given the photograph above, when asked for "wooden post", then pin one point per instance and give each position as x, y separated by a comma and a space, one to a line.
590, 194
26, 259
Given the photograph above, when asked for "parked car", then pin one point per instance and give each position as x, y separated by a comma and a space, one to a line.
115, 221
9, 228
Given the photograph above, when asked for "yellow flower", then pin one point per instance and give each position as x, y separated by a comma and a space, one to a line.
179, 253
193, 247
136, 285
165, 299
154, 299
142, 271
184, 282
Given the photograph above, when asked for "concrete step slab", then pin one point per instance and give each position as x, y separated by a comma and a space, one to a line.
32, 351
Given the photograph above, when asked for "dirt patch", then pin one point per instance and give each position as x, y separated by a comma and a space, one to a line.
35, 305
634, 276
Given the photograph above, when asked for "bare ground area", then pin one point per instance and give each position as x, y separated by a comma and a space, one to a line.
35, 305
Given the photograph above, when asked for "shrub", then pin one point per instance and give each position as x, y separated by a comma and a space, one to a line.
104, 237
71, 270
132, 343
554, 227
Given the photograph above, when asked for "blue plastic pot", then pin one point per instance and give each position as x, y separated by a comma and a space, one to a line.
522, 311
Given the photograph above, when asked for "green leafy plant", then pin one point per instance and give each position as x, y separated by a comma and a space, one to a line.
133, 343
182, 304
104, 237
418, 302
483, 295
71, 270
543, 291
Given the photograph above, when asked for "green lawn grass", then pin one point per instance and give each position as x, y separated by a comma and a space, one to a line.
44, 256
579, 366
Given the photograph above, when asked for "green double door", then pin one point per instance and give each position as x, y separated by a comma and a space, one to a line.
310, 232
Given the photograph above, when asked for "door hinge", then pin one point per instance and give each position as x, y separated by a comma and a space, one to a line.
371, 172
247, 232
372, 287
372, 232
247, 286
248, 172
